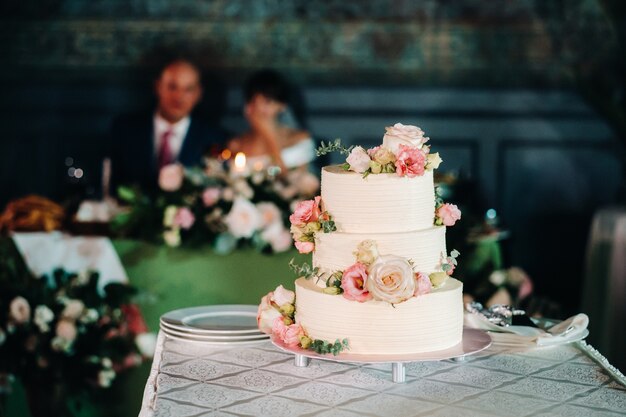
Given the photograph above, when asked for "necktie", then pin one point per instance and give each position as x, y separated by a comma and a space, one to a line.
165, 155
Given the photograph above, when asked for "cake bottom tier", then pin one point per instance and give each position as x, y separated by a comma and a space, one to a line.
426, 323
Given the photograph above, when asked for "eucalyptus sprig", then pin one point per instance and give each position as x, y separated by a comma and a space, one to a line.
305, 270
323, 348
334, 146
328, 225
333, 284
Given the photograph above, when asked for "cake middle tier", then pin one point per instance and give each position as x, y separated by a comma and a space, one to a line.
379, 203
424, 248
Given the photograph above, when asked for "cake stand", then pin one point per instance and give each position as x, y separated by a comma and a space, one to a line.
473, 341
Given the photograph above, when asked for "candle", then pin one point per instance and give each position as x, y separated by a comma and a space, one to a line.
240, 163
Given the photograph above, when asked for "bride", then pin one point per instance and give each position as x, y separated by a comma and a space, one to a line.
272, 138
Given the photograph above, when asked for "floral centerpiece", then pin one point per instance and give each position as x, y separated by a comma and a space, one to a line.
224, 207
61, 336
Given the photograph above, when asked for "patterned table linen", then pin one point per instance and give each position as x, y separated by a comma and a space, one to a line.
192, 379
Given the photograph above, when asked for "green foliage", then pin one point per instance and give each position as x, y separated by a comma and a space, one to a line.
324, 348
334, 146
328, 225
305, 270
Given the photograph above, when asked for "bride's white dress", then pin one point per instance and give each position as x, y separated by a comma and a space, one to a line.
293, 156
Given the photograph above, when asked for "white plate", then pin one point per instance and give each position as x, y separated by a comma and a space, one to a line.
191, 332
211, 343
474, 341
217, 338
228, 319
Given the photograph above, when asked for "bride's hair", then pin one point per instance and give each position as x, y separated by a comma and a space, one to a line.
268, 83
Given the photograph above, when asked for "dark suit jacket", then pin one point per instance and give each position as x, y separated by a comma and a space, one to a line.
133, 160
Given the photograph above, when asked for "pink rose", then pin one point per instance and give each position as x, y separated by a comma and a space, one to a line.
279, 328
399, 134
305, 247
353, 282
171, 177
292, 335
422, 284
306, 211
410, 161
210, 196
66, 330
184, 218
359, 160
449, 214
19, 310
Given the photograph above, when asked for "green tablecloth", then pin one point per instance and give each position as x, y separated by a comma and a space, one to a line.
173, 278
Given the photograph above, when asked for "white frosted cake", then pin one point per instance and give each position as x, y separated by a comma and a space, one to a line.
380, 276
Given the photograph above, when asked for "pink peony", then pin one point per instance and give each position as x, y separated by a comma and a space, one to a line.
449, 214
171, 177
184, 218
359, 160
422, 284
210, 196
306, 211
354, 281
292, 335
305, 247
279, 328
410, 161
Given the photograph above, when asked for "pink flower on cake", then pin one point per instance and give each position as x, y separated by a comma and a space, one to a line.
306, 211
410, 161
279, 328
210, 196
267, 314
184, 218
422, 284
292, 335
450, 261
391, 279
353, 283
171, 177
449, 214
359, 160
282, 296
305, 247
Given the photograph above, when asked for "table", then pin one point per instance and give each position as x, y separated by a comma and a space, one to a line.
194, 379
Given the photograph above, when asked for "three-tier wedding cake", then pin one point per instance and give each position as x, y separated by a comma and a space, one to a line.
380, 278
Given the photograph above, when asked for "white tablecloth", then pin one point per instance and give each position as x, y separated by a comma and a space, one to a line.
191, 379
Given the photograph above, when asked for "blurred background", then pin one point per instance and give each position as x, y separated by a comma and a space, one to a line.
524, 99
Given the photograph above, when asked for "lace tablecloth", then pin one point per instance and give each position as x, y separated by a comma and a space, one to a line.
192, 379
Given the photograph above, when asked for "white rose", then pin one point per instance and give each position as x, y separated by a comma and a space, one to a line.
270, 214
366, 252
266, 314
43, 316
73, 309
172, 237
171, 177
433, 160
243, 219
400, 134
283, 296
359, 160
106, 377
146, 343
391, 279
168, 215
19, 310
498, 277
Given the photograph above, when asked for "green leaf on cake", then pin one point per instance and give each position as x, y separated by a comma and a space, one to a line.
305, 270
334, 146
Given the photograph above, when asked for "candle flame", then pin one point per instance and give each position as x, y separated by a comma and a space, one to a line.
240, 161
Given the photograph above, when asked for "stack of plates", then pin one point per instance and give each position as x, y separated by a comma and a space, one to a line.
219, 324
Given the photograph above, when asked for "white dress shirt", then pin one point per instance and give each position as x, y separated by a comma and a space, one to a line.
179, 131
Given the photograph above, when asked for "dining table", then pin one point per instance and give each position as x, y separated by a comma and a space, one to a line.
191, 378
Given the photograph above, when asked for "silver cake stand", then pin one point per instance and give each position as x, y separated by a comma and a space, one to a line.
474, 341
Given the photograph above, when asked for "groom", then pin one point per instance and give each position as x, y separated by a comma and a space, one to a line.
142, 144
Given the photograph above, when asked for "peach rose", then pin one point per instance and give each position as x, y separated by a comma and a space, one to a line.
449, 214
422, 284
19, 310
354, 283
358, 159
184, 218
306, 211
73, 309
410, 161
171, 177
305, 247
267, 314
391, 279
66, 330
382, 155
366, 252
407, 135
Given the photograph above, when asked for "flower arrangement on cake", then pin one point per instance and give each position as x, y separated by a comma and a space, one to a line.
377, 237
61, 333
219, 205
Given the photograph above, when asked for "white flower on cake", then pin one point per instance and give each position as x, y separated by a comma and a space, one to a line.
433, 160
400, 134
391, 279
267, 313
366, 252
359, 160
283, 296
243, 219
